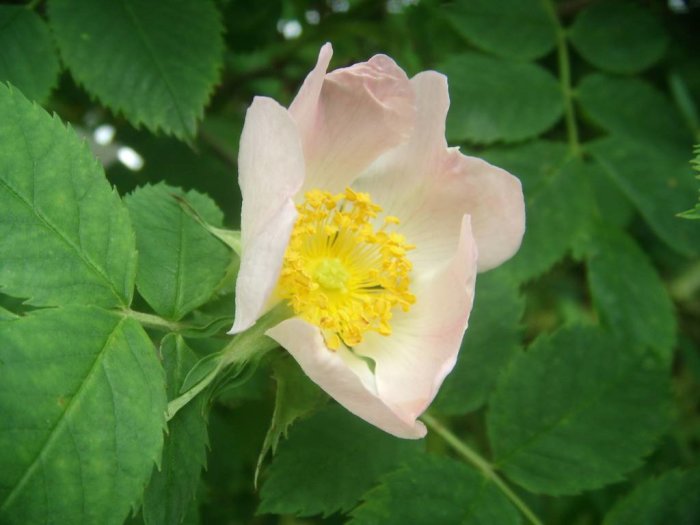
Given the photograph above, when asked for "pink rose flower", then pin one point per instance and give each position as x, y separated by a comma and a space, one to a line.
358, 215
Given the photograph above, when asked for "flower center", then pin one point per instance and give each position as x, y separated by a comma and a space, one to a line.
331, 274
340, 272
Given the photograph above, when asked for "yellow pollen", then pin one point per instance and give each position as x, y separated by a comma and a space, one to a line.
340, 272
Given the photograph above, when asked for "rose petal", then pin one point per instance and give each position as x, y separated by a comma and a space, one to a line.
358, 113
270, 173
344, 376
430, 187
303, 107
412, 362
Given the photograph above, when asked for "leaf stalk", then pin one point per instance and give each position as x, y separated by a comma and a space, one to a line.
564, 67
481, 464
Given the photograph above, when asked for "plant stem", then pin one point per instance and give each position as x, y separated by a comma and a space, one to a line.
565, 80
154, 321
32, 5
480, 463
243, 348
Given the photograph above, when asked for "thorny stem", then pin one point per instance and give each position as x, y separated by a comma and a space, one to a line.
565, 80
480, 463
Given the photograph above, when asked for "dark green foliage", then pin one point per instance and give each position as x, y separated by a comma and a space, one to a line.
28, 58
485, 109
170, 492
155, 62
430, 490
510, 28
558, 201
619, 36
577, 411
671, 498
573, 400
491, 341
328, 462
618, 268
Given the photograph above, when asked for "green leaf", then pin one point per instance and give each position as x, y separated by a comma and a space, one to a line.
485, 107
82, 403
671, 498
558, 202
6, 315
491, 341
27, 54
628, 292
180, 263
170, 493
633, 109
519, 29
619, 36
65, 236
155, 62
297, 397
613, 205
328, 462
657, 183
429, 490
577, 411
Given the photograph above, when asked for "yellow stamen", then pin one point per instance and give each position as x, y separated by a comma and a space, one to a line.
342, 274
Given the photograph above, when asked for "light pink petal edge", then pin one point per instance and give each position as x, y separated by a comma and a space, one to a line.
271, 172
411, 364
304, 106
344, 376
350, 116
430, 187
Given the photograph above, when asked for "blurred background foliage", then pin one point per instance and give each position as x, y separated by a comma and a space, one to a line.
593, 104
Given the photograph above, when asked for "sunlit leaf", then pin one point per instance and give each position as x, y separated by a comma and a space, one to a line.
83, 403
65, 236
180, 263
